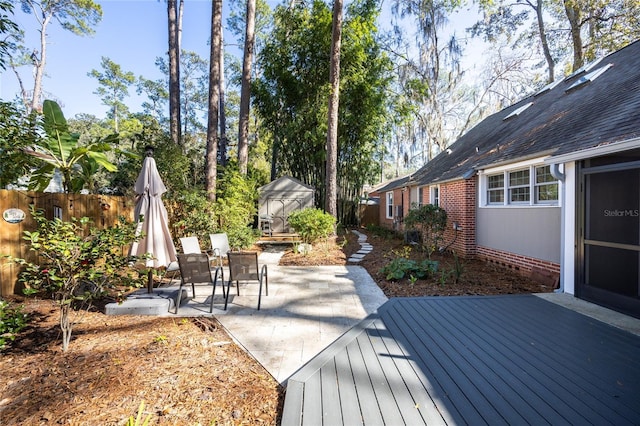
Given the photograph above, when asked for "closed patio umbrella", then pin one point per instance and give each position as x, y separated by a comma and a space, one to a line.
152, 219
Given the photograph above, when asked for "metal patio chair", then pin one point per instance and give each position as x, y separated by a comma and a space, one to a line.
195, 268
243, 266
219, 246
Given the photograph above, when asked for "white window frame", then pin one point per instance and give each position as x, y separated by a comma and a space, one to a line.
532, 166
389, 212
434, 195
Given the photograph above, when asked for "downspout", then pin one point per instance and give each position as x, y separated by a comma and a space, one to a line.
557, 174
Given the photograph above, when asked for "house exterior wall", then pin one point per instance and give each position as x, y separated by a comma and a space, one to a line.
401, 204
533, 232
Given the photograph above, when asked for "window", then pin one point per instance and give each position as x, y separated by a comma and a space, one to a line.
389, 205
519, 186
435, 195
515, 187
546, 187
420, 196
495, 189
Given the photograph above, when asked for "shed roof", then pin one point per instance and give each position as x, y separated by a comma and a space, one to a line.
596, 106
286, 183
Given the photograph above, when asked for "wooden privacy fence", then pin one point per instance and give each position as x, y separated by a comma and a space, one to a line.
103, 210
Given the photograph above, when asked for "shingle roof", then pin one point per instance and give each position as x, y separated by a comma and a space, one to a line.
558, 121
391, 184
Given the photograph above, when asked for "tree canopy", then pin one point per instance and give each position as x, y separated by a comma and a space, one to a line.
292, 94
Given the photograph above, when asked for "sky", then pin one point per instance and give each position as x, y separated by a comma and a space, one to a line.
132, 33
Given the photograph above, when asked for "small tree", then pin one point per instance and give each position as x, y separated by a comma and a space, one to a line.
77, 264
430, 221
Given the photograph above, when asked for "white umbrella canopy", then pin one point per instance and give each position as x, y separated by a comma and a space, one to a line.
152, 219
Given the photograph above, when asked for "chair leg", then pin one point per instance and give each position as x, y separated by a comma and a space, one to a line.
215, 283
226, 299
179, 298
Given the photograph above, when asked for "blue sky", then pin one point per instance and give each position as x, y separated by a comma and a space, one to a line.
132, 33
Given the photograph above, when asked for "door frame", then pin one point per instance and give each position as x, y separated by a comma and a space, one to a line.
624, 304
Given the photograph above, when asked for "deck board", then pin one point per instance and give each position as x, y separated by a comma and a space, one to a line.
471, 360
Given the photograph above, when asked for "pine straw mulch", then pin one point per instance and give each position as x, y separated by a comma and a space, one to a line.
186, 371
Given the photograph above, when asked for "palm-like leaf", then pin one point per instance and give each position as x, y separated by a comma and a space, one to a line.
60, 151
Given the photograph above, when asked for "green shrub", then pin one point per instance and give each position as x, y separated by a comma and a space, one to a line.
76, 264
312, 224
236, 208
430, 221
12, 321
191, 213
381, 231
401, 267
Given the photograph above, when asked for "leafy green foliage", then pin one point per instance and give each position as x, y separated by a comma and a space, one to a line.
312, 224
381, 231
233, 212
236, 207
16, 134
191, 213
401, 267
60, 150
292, 94
430, 221
77, 264
12, 321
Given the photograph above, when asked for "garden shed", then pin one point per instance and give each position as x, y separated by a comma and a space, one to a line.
281, 197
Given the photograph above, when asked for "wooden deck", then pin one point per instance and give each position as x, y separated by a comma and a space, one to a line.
471, 360
280, 238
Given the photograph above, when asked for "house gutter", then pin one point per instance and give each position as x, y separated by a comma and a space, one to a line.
557, 174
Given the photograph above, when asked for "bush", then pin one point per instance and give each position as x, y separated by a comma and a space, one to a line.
401, 267
381, 231
312, 224
12, 321
430, 221
236, 208
191, 213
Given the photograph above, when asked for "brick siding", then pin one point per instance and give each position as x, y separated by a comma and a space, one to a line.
519, 263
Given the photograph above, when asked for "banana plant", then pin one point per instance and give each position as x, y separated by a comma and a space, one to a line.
59, 150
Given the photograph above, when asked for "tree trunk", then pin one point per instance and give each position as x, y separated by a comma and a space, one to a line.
573, 15
214, 98
331, 201
222, 148
245, 91
545, 44
174, 74
39, 66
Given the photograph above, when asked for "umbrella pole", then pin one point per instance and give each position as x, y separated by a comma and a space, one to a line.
150, 281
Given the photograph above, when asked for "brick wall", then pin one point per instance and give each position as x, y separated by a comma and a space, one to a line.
458, 198
398, 196
518, 263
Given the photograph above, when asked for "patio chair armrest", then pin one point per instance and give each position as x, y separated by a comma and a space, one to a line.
263, 271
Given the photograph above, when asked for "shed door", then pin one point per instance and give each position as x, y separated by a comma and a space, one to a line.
279, 209
609, 246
